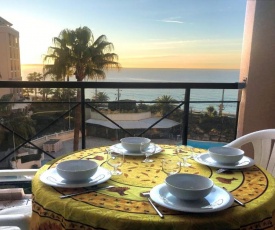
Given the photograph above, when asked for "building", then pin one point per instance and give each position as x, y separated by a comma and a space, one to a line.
27, 158
10, 69
100, 126
52, 145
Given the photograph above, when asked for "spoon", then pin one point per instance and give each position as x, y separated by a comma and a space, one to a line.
147, 194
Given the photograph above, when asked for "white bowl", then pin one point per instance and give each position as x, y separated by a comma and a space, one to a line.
226, 155
132, 144
189, 186
77, 170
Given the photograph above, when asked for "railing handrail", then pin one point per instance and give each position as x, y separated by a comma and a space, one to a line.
187, 86
121, 85
18, 172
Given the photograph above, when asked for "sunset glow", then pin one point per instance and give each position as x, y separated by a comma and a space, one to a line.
145, 34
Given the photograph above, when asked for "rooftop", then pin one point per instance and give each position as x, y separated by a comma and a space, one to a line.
4, 22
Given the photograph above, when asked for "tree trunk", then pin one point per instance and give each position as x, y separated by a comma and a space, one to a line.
77, 121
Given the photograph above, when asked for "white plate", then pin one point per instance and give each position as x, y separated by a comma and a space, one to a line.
118, 148
205, 159
218, 197
52, 178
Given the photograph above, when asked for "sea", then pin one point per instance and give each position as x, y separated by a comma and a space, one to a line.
165, 75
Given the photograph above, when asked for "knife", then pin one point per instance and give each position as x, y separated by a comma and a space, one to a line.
156, 209
86, 191
235, 199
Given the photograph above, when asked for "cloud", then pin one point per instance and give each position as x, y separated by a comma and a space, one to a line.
172, 20
196, 42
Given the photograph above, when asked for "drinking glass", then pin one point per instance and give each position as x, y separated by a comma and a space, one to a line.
185, 152
115, 159
171, 166
148, 151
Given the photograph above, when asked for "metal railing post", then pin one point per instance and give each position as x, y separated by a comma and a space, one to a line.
185, 118
83, 130
237, 120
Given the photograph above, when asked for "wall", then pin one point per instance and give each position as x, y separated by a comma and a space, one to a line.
257, 106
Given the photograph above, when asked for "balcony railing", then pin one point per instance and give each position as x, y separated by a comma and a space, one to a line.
186, 89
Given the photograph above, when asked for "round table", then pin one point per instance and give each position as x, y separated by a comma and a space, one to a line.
124, 207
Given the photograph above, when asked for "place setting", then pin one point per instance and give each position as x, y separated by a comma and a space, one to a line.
136, 146
225, 158
189, 192
75, 174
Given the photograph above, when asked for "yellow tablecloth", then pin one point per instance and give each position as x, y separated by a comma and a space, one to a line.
123, 207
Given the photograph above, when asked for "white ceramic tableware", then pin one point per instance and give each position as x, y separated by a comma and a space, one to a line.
205, 159
218, 196
52, 178
132, 144
226, 155
119, 149
76, 170
189, 186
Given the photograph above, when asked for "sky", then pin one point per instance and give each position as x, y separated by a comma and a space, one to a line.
145, 33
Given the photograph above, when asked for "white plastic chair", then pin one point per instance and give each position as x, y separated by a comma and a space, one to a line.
19, 217
263, 145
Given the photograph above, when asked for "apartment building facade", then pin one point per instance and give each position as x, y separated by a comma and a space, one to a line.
10, 69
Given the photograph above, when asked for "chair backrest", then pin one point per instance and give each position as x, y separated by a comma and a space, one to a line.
15, 220
19, 216
263, 145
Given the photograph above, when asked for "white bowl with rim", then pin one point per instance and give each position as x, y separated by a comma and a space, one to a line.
189, 186
76, 170
226, 155
132, 144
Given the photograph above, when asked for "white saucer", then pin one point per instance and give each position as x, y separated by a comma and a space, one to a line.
218, 197
119, 149
52, 178
205, 159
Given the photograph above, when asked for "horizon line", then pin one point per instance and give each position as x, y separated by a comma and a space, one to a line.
153, 67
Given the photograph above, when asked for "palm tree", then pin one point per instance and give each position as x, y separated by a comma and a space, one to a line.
45, 92
100, 97
210, 111
77, 51
60, 55
35, 77
165, 104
